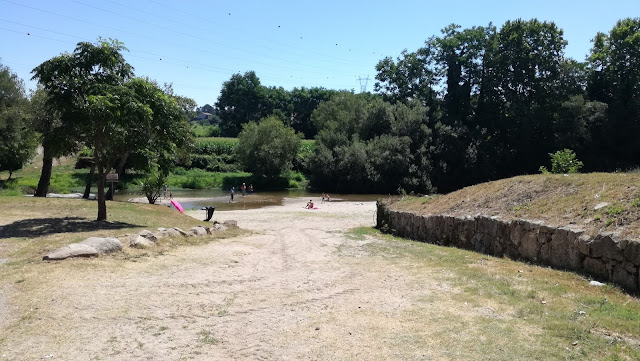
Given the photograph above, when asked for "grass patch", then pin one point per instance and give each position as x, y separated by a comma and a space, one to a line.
206, 337
537, 312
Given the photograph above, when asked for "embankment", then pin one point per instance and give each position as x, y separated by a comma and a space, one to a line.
604, 256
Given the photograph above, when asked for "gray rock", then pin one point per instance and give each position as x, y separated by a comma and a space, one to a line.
141, 242
161, 229
174, 233
180, 231
230, 224
148, 235
161, 234
632, 252
199, 231
606, 245
596, 284
72, 250
104, 245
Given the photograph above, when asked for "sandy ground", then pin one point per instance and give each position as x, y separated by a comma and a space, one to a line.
296, 288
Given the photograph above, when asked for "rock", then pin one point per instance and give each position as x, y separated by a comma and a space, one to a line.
148, 235
180, 231
199, 231
72, 250
141, 242
161, 234
230, 224
632, 252
161, 229
606, 245
103, 245
174, 233
596, 283
600, 206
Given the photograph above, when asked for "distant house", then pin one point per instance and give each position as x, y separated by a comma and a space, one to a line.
203, 115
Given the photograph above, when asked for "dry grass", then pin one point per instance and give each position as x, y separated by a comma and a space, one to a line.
483, 307
556, 199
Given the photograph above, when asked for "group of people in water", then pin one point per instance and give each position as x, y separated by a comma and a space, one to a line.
243, 188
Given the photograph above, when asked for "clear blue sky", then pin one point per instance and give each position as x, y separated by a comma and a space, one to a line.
197, 44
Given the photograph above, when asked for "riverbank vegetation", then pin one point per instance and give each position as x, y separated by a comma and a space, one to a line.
472, 105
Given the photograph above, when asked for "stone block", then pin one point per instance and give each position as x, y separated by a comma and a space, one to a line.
596, 268
624, 278
606, 245
103, 245
632, 252
139, 241
72, 250
199, 231
148, 235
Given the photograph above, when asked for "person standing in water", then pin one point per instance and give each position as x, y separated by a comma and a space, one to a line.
231, 193
243, 188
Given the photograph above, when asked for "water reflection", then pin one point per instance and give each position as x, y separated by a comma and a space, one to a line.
196, 199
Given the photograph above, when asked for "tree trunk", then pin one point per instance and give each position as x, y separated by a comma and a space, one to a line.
45, 175
87, 188
102, 204
10, 173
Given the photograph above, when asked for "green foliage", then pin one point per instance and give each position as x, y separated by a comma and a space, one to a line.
564, 161
153, 185
17, 139
636, 203
205, 131
267, 148
102, 106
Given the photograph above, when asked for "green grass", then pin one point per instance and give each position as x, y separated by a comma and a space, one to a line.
559, 308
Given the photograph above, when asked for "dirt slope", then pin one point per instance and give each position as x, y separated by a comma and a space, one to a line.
595, 202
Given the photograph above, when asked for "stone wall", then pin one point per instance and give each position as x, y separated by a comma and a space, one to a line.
605, 257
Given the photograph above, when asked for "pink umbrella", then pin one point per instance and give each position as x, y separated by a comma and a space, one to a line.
178, 206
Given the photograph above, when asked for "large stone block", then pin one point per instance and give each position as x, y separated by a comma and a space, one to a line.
596, 268
632, 252
606, 245
624, 278
148, 235
139, 241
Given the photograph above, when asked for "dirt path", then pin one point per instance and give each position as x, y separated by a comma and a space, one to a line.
296, 288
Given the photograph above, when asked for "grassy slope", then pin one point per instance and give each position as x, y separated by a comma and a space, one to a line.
31, 227
556, 199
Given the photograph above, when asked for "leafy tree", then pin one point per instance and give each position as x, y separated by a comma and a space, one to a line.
106, 109
17, 140
239, 103
53, 137
267, 148
614, 75
304, 102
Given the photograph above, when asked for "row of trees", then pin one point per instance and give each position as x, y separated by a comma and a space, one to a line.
91, 99
512, 96
243, 99
471, 105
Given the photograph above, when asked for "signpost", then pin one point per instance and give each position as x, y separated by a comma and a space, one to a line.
112, 178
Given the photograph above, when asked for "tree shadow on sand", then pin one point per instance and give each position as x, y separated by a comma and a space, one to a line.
38, 227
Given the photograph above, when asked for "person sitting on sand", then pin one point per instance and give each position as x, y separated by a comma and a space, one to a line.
309, 204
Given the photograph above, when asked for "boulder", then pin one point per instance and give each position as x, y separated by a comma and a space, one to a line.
199, 231
72, 250
103, 245
632, 252
161, 234
180, 231
606, 245
230, 224
141, 242
148, 235
174, 233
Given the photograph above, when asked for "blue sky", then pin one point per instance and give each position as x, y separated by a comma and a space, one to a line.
197, 44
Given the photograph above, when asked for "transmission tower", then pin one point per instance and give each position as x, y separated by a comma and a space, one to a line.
363, 83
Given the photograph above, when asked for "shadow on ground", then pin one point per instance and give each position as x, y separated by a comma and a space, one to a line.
38, 227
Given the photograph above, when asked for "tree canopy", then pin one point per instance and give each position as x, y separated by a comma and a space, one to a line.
105, 108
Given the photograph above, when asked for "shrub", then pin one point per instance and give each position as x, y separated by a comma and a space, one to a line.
564, 161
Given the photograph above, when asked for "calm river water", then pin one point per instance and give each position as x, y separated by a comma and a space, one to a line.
196, 199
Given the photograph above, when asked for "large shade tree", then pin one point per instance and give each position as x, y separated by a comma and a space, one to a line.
17, 140
103, 107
